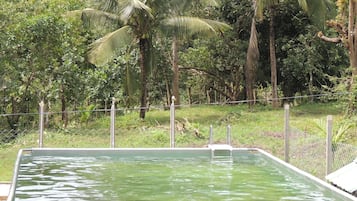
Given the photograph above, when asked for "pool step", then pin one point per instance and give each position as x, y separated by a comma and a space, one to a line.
221, 152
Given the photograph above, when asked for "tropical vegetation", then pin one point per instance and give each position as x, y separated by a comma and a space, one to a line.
78, 55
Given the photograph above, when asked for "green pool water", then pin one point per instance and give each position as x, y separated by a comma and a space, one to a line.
251, 176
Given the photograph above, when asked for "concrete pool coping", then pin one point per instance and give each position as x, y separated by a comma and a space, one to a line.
159, 151
4, 190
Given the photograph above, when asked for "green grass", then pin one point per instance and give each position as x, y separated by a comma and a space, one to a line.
260, 127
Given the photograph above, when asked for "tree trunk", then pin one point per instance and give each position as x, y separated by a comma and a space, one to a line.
168, 93
273, 67
251, 63
175, 70
189, 95
352, 37
352, 49
145, 64
63, 108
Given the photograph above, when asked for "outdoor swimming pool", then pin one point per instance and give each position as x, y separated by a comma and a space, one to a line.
161, 174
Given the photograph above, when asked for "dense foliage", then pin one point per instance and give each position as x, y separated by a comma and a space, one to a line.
44, 46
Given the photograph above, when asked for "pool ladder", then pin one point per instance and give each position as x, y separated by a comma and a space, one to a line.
221, 152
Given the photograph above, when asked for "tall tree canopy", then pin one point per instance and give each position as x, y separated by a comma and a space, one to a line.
141, 21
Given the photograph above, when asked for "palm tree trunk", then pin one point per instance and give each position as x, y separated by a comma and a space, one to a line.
145, 63
251, 63
273, 67
352, 38
175, 70
352, 47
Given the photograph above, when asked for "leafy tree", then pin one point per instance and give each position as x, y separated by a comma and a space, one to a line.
345, 25
214, 67
314, 8
345, 32
309, 64
38, 60
140, 23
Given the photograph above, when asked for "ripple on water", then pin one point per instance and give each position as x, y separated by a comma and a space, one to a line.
105, 178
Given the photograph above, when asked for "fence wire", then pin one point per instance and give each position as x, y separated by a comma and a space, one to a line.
308, 152
91, 129
343, 154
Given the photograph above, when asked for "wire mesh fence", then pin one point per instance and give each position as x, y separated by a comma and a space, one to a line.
343, 154
15, 126
92, 129
308, 152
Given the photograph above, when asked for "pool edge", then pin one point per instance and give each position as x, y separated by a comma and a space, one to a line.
85, 150
10, 197
309, 176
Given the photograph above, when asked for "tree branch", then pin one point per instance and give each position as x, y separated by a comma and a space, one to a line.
327, 39
211, 74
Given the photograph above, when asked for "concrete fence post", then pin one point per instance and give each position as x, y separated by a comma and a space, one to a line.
172, 122
40, 136
329, 145
286, 132
229, 134
210, 134
112, 124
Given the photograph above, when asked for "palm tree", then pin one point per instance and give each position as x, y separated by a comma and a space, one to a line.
140, 22
316, 9
252, 59
181, 26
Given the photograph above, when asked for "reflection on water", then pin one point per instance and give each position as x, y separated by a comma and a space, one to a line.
249, 177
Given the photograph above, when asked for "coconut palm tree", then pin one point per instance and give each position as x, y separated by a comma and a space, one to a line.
316, 9
252, 59
181, 26
141, 19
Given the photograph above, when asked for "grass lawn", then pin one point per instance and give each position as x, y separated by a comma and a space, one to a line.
260, 127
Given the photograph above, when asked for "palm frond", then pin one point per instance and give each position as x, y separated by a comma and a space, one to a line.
185, 5
99, 19
191, 25
320, 125
103, 49
342, 131
134, 6
72, 14
112, 6
209, 2
320, 11
303, 5
90, 13
259, 6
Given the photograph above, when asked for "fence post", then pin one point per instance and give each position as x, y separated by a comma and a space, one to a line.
112, 124
286, 132
229, 134
329, 145
172, 122
40, 136
210, 134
